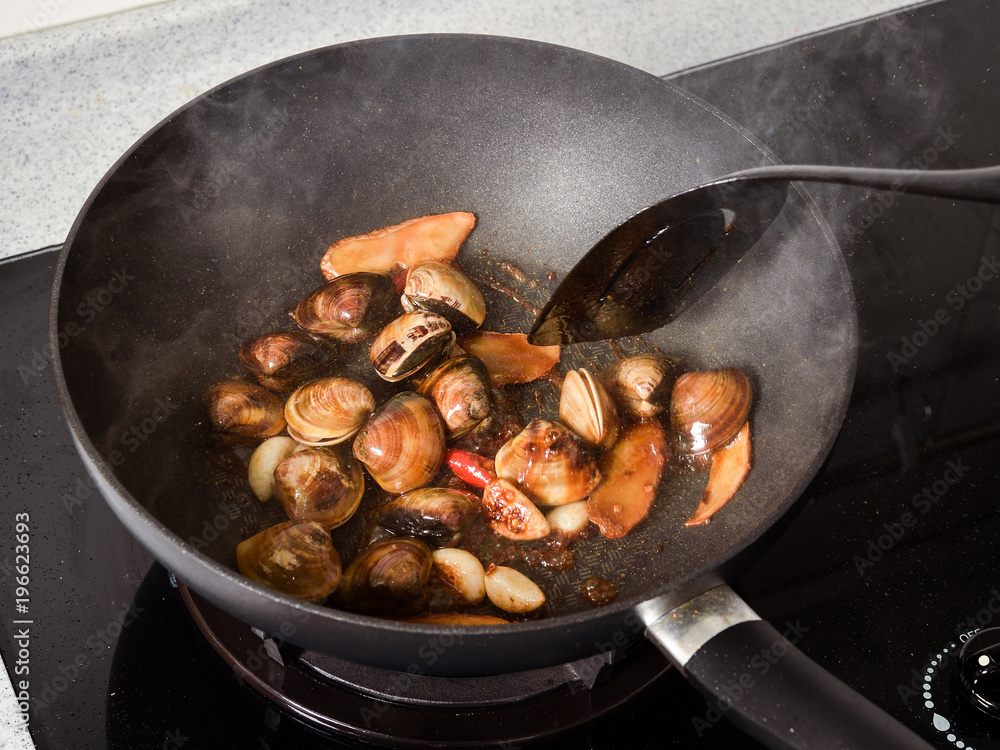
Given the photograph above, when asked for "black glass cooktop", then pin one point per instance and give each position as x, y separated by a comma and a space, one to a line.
887, 566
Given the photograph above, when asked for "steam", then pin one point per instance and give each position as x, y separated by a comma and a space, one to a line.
869, 77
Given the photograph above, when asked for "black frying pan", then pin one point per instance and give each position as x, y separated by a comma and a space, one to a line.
215, 221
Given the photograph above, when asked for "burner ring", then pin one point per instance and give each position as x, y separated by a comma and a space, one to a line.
400, 709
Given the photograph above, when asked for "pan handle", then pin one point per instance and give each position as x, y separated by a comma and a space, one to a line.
763, 684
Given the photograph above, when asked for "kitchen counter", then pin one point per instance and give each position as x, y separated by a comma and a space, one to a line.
75, 97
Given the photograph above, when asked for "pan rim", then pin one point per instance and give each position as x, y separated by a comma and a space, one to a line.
133, 514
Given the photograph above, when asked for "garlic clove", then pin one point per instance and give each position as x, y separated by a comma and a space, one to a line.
462, 572
511, 590
571, 518
266, 456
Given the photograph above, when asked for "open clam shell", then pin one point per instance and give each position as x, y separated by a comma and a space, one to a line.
549, 463
434, 513
443, 289
586, 408
644, 382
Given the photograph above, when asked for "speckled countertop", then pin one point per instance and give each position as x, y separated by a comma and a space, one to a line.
74, 98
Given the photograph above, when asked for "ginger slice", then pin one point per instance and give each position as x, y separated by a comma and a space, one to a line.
632, 471
509, 358
401, 246
730, 466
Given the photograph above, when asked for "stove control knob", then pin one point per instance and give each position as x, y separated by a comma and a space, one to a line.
979, 670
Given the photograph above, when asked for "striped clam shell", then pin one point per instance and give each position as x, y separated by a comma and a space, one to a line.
324, 485
433, 513
549, 463
328, 410
296, 558
402, 445
587, 409
708, 408
245, 409
460, 388
644, 382
443, 289
349, 308
409, 342
390, 577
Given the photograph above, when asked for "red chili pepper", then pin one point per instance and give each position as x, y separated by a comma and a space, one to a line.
471, 468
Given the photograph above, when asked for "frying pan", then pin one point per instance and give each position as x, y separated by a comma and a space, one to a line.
214, 222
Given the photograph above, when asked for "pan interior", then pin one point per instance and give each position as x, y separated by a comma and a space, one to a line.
213, 225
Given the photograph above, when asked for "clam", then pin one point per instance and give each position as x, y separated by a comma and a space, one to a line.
295, 558
708, 408
460, 388
511, 590
282, 359
434, 513
391, 577
324, 485
328, 410
443, 289
402, 445
644, 382
409, 342
396, 248
511, 514
350, 308
587, 409
267, 455
245, 409
461, 572
549, 463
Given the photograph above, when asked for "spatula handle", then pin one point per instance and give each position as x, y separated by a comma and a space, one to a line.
981, 184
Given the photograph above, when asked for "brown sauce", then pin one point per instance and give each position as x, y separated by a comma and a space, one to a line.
598, 591
514, 296
513, 271
552, 552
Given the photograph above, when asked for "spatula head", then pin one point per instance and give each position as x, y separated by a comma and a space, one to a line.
644, 273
